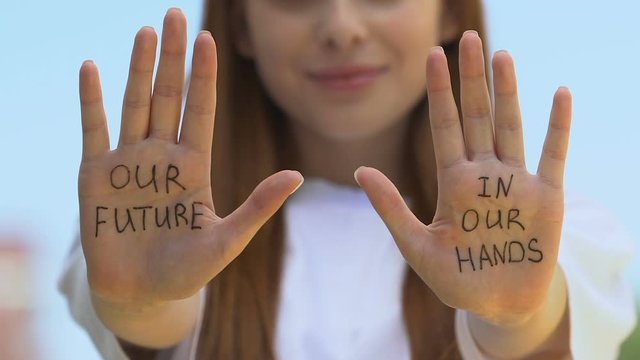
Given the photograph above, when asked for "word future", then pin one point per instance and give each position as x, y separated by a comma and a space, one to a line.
143, 217
513, 251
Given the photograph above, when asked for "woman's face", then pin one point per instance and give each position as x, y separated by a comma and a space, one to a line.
346, 69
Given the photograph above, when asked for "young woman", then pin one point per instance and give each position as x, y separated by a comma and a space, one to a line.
329, 87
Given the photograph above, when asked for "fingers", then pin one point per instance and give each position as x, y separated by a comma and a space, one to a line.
137, 97
197, 126
443, 114
95, 136
240, 226
508, 123
474, 97
406, 229
167, 91
554, 152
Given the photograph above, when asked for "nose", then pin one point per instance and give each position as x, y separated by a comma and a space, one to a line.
341, 26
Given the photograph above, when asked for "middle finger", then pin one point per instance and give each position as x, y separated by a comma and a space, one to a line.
167, 92
474, 96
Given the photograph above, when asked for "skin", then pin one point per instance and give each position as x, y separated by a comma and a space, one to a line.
521, 315
139, 287
336, 131
144, 284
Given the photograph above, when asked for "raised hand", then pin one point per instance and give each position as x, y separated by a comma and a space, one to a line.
148, 225
493, 243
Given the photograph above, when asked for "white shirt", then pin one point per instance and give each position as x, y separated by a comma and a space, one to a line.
342, 284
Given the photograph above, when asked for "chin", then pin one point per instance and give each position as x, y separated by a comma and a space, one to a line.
346, 130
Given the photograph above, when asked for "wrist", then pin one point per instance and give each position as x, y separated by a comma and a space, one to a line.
552, 306
129, 309
517, 336
154, 325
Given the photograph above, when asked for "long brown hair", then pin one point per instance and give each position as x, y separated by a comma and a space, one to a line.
251, 142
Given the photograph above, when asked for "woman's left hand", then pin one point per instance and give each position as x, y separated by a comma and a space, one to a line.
493, 243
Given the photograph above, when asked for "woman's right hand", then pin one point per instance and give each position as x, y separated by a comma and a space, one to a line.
149, 230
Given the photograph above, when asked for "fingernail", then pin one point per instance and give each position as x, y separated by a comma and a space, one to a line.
437, 49
355, 175
205, 32
300, 184
563, 89
470, 32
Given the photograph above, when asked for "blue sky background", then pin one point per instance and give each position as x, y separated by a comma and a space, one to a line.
590, 46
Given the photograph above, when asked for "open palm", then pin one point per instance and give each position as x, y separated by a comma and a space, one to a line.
492, 245
148, 225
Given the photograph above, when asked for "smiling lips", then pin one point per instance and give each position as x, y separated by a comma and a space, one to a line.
347, 78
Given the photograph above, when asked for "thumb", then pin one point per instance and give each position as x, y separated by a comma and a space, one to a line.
408, 232
239, 227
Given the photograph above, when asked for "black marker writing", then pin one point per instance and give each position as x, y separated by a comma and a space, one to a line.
172, 178
498, 221
461, 260
539, 259
471, 219
513, 253
120, 177
501, 186
499, 255
510, 252
484, 256
119, 171
179, 213
98, 221
129, 222
513, 215
166, 218
135, 218
484, 186
472, 223
194, 214
151, 181
132, 219
144, 215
